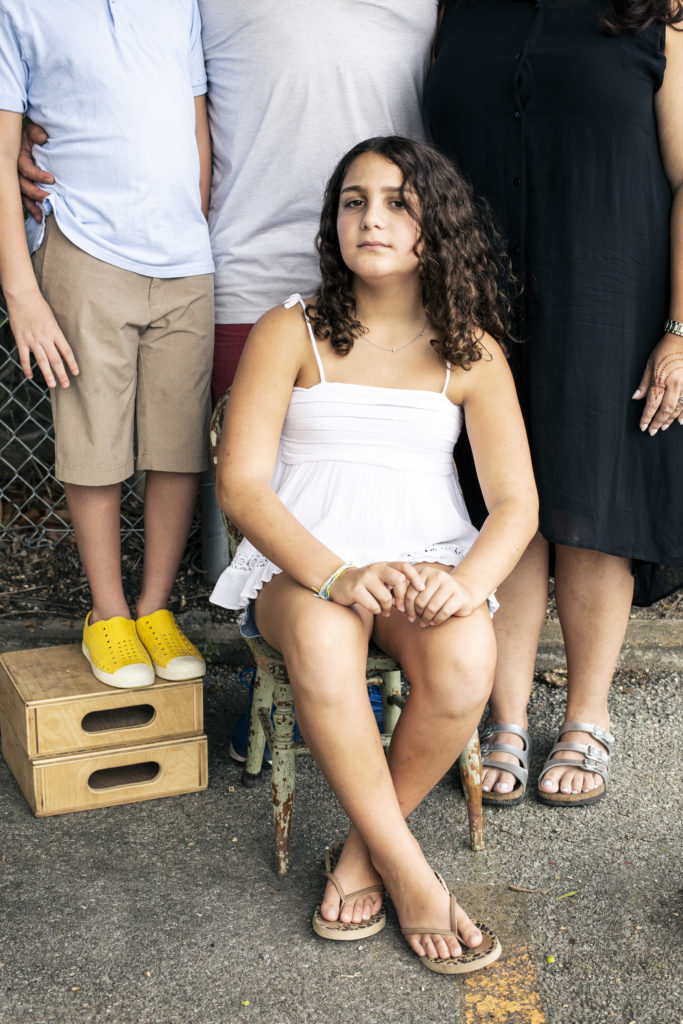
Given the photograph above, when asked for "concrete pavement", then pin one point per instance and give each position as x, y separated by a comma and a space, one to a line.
168, 912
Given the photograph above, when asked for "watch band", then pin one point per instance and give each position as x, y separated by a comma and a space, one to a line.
673, 327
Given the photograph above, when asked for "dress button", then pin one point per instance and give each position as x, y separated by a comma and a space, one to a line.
515, 181
516, 115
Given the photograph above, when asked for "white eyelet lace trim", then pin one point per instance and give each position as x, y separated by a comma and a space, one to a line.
245, 563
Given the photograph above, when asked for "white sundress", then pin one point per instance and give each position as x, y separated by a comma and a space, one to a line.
369, 471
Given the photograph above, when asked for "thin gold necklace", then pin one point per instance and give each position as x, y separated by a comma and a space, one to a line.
396, 348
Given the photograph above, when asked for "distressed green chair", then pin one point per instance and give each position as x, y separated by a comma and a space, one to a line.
272, 692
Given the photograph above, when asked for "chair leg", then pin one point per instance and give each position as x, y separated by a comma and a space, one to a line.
470, 774
391, 709
262, 699
282, 750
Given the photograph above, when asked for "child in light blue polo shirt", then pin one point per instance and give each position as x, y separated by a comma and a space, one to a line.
116, 304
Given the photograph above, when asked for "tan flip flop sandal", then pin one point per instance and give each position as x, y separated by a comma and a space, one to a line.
342, 931
472, 958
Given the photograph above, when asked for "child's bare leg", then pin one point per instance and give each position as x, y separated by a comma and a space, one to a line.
96, 517
450, 669
170, 499
325, 647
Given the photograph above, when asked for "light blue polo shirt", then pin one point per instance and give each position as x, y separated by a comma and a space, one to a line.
113, 84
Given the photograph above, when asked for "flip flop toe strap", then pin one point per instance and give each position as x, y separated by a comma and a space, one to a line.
447, 933
347, 897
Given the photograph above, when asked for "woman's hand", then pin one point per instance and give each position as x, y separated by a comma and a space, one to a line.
442, 597
662, 386
29, 174
379, 587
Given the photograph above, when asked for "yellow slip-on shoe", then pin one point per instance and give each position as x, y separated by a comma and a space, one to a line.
172, 654
116, 656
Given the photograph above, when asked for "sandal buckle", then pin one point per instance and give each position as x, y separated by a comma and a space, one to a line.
595, 756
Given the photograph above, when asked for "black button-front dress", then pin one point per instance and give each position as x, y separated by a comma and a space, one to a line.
553, 122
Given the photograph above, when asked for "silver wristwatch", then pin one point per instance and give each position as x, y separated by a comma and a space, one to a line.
673, 327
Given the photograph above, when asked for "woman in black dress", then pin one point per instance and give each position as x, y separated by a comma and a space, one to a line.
567, 116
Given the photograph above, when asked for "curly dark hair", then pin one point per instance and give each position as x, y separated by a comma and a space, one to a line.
631, 16
462, 263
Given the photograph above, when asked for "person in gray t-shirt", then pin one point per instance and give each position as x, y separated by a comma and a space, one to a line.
289, 92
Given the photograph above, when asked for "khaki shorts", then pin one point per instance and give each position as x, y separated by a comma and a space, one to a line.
144, 347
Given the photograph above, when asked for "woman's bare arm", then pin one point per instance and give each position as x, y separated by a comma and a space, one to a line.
662, 382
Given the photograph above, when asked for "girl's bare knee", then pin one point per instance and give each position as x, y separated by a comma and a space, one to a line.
320, 656
461, 682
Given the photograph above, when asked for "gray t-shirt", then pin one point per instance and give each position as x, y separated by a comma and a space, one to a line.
292, 86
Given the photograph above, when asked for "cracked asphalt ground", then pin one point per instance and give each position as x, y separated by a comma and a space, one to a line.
169, 911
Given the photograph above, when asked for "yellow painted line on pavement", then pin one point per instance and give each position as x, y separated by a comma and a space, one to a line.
505, 993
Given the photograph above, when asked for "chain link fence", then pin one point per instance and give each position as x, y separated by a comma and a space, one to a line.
32, 506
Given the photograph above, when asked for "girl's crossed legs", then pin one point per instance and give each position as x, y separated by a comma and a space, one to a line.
450, 668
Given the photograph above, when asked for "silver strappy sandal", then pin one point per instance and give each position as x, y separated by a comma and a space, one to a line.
520, 771
595, 759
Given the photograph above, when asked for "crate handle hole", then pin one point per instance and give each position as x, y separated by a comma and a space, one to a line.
118, 718
124, 775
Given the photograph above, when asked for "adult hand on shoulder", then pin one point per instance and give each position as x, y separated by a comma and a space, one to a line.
36, 333
443, 596
379, 587
29, 174
662, 386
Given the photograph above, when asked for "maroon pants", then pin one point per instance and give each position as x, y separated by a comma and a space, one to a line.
229, 341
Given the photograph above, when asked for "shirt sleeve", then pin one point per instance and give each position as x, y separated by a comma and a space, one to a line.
197, 69
13, 68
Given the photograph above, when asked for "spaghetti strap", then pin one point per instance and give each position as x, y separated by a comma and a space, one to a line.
292, 301
448, 377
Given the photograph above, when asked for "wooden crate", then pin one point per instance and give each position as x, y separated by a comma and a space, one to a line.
73, 743
54, 705
104, 778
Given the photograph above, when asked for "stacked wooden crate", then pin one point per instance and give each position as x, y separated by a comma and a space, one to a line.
73, 743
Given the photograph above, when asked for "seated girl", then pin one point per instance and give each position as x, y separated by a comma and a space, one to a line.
336, 464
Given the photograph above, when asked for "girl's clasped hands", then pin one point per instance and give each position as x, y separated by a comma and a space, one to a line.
426, 593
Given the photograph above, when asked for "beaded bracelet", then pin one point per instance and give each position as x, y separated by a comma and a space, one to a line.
324, 591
